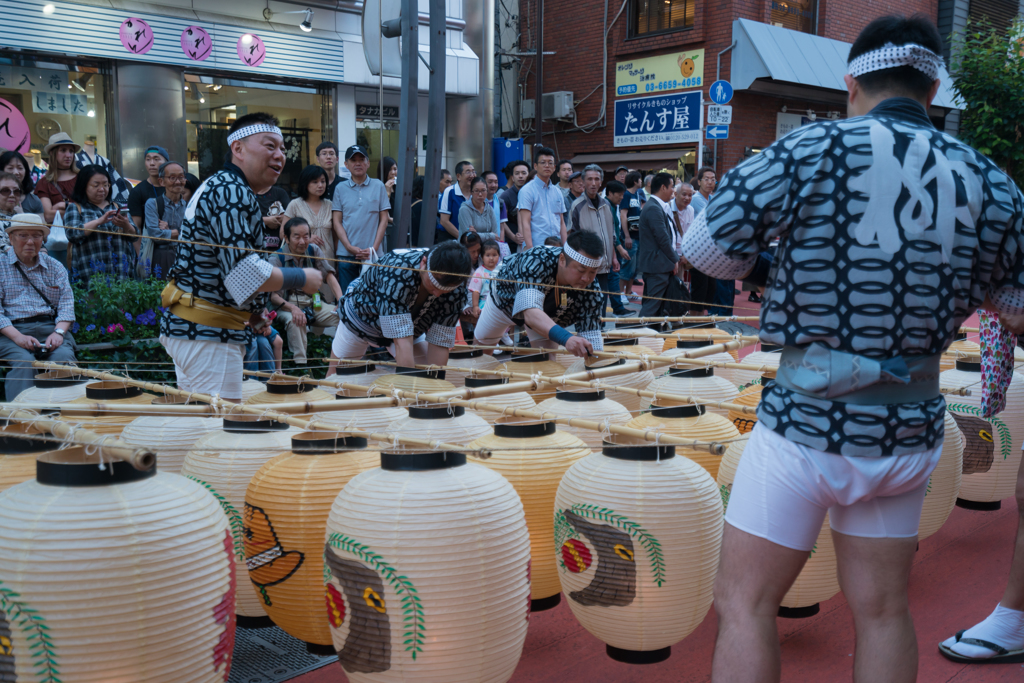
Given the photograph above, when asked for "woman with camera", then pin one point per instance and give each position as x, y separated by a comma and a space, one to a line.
101, 236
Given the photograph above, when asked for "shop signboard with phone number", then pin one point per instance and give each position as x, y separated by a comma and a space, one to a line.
676, 71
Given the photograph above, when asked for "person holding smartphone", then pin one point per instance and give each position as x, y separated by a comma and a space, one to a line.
102, 237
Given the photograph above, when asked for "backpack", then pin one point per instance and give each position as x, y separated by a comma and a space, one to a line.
145, 262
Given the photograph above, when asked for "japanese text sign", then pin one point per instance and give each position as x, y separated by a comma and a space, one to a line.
662, 119
663, 73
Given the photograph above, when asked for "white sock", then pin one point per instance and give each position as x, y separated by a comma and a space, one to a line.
1004, 627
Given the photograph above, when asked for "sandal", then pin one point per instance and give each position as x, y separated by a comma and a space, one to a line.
1003, 656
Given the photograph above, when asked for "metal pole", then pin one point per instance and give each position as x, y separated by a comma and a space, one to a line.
718, 77
435, 124
408, 125
537, 104
380, 97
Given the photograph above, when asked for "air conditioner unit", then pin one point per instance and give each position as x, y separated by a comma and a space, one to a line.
557, 105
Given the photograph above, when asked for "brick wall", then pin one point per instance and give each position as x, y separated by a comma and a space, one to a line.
574, 31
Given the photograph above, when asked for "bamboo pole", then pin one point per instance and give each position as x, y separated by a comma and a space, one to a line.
110, 446
684, 336
686, 319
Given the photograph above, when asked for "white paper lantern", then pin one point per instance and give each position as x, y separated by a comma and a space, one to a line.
113, 575
689, 422
450, 424
961, 349
427, 568
367, 419
637, 532
361, 374
170, 437
224, 461
701, 382
533, 457
515, 399
944, 484
682, 346
633, 380
54, 387
250, 388
534, 364
992, 446
590, 405
714, 336
468, 360
768, 358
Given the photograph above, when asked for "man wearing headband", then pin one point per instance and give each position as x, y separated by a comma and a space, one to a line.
408, 302
218, 282
892, 234
549, 289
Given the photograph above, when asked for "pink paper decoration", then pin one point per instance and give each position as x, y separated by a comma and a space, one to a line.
251, 49
136, 36
14, 130
196, 43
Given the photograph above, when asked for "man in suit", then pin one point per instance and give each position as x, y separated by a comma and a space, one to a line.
656, 258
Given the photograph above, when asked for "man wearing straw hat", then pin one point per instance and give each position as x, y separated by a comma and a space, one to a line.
892, 234
37, 307
219, 278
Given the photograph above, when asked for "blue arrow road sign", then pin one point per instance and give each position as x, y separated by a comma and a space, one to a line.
717, 133
721, 92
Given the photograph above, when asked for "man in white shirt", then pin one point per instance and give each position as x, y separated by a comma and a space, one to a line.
541, 206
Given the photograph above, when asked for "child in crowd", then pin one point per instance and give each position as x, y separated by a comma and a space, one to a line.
471, 241
480, 286
553, 241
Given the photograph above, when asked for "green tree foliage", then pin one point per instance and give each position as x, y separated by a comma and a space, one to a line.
988, 66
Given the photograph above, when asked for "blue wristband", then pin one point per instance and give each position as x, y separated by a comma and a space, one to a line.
559, 335
294, 278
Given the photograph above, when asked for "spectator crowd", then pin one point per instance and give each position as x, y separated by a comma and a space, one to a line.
93, 221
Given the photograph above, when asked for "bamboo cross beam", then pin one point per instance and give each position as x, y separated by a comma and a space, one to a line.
684, 336
110, 446
686, 319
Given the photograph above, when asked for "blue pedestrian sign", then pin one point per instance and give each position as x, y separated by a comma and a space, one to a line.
716, 133
721, 92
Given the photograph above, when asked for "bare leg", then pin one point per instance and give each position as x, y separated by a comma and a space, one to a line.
753, 577
278, 345
873, 573
1013, 598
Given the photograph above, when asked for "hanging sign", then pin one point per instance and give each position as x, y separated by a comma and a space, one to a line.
662, 119
250, 49
136, 36
675, 71
196, 43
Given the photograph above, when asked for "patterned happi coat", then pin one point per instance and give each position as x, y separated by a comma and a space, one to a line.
891, 234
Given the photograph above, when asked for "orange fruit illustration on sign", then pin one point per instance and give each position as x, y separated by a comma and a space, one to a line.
686, 66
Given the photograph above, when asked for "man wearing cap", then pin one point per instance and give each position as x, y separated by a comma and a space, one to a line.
89, 156
37, 307
218, 282
150, 188
572, 193
361, 209
549, 289
899, 234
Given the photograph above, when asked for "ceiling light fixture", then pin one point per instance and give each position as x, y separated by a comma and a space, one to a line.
307, 24
49, 9
202, 100
215, 88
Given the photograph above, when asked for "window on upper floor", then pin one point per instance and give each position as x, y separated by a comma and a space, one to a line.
660, 16
796, 15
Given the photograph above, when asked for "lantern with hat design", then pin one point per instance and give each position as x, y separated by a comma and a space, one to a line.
944, 484
110, 573
224, 461
992, 445
533, 457
638, 530
427, 571
286, 508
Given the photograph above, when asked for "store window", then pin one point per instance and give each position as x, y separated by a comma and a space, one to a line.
55, 96
212, 105
368, 133
660, 16
796, 15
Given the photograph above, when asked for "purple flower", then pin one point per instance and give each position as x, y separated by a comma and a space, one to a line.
127, 316
90, 328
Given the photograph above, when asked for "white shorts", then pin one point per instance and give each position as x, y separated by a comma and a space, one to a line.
493, 324
347, 344
782, 491
207, 367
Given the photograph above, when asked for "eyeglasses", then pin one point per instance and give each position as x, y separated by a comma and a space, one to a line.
7, 192
25, 237
175, 178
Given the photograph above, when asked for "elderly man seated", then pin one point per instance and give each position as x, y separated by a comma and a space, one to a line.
36, 305
296, 309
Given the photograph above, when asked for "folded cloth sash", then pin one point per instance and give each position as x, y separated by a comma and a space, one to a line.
820, 372
189, 307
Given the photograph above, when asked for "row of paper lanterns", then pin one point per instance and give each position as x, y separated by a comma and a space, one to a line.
137, 37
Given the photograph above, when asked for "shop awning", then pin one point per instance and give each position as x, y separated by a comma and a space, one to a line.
611, 160
778, 61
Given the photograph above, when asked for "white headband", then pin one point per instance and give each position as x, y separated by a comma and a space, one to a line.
437, 284
580, 258
253, 130
891, 56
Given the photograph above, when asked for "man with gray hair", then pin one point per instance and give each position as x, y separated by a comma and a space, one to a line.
592, 213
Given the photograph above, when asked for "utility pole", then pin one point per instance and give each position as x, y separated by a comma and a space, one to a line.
538, 103
408, 122
435, 122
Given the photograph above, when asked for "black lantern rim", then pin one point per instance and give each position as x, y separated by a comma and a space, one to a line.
421, 462
524, 431
435, 412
